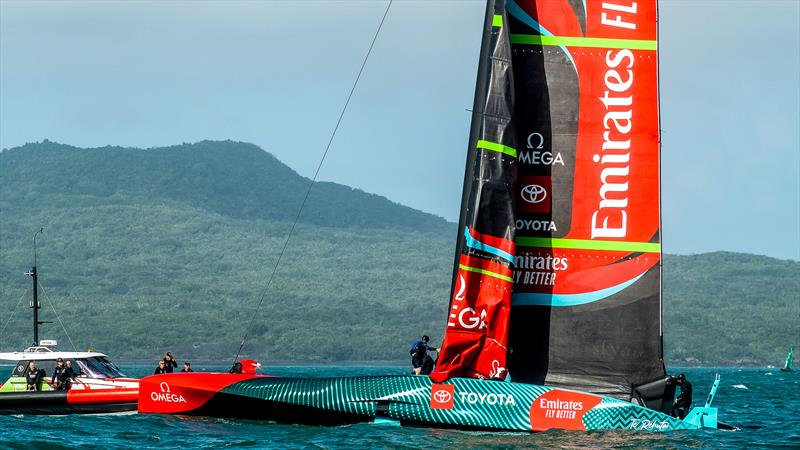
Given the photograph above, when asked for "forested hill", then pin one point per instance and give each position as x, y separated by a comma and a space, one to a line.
170, 248
235, 179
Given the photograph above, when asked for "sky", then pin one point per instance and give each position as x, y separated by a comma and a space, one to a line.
276, 73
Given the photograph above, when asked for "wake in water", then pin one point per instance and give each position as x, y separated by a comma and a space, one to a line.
740, 386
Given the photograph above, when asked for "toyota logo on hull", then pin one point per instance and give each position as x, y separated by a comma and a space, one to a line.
533, 193
442, 396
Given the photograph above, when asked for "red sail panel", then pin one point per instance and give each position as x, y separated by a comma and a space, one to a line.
476, 337
586, 302
475, 343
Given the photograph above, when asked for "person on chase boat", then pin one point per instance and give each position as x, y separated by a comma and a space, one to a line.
58, 375
33, 376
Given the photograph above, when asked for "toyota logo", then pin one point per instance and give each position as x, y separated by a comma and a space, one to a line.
442, 396
533, 193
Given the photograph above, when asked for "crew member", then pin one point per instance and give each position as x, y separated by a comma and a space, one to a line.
69, 375
57, 381
169, 362
425, 342
161, 369
684, 401
427, 365
419, 355
187, 367
33, 376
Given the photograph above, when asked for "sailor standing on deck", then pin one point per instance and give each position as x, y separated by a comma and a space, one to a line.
420, 358
170, 363
684, 401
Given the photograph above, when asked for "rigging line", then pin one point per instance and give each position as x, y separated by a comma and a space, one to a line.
13, 312
313, 180
47, 297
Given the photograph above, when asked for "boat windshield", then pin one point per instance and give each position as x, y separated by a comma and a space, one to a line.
100, 367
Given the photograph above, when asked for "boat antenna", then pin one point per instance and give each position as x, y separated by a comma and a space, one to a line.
313, 180
41, 230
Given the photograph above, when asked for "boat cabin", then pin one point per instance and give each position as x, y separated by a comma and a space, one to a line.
94, 369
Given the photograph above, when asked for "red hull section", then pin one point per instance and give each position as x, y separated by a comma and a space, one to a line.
183, 392
98, 396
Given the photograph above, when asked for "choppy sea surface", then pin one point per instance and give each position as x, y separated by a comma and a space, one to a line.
763, 403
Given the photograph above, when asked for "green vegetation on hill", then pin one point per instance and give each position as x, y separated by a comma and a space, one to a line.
146, 251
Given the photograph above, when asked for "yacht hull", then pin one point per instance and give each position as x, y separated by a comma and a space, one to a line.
460, 403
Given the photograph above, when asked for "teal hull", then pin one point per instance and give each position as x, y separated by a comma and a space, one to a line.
409, 400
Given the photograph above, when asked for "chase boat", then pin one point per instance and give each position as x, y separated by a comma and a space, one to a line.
100, 386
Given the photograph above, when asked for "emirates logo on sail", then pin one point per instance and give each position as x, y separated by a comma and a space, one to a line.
610, 218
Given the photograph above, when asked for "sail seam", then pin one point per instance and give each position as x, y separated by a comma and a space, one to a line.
485, 272
577, 41
587, 244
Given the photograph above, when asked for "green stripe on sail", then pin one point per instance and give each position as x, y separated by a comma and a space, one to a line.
576, 41
497, 20
586, 244
485, 272
495, 147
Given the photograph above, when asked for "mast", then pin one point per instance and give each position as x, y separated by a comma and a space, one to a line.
35, 302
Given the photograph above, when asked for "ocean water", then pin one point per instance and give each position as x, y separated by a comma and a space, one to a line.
764, 403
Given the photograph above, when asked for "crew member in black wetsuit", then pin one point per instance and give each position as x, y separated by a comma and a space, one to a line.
236, 368
421, 362
187, 367
161, 369
170, 363
57, 382
69, 375
33, 376
684, 401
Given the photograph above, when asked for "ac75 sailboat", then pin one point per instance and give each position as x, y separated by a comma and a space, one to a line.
554, 319
787, 365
